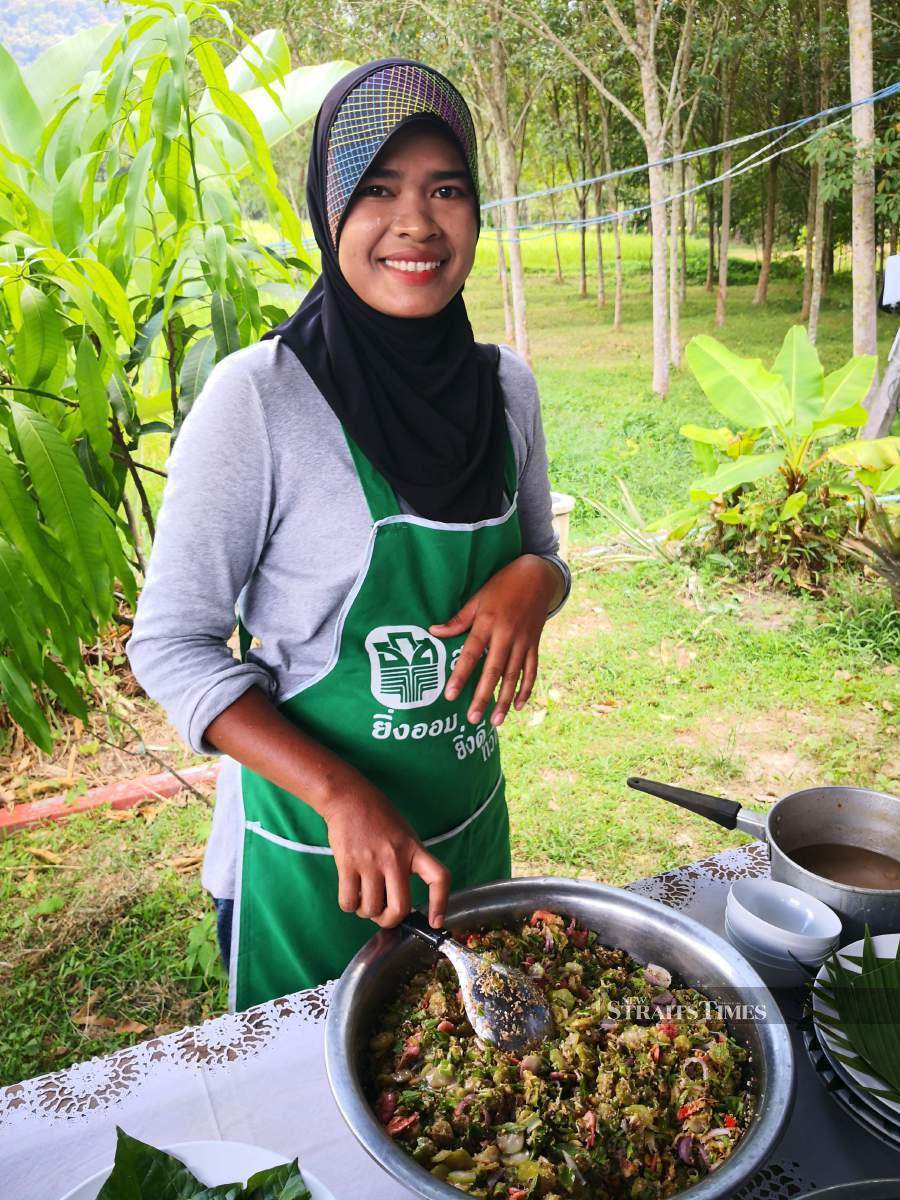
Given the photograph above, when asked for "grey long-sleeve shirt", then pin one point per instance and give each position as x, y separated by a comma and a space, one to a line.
263, 511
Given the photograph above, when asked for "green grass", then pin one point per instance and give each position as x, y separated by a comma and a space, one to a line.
648, 671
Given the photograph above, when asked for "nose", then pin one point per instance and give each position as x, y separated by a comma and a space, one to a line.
414, 220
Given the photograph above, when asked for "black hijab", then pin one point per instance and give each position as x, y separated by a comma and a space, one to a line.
418, 395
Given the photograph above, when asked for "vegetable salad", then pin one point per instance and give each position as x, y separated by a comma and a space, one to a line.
639, 1093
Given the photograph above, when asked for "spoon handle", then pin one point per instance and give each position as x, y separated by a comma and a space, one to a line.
417, 923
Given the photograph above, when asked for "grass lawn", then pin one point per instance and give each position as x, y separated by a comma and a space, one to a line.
105, 934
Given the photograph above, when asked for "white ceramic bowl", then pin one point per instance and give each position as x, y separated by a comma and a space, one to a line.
774, 972
213, 1163
767, 954
782, 919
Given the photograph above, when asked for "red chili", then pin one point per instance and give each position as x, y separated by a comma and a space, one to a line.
693, 1106
668, 1028
730, 1122
398, 1124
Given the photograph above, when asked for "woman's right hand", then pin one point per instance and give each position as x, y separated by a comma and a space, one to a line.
376, 851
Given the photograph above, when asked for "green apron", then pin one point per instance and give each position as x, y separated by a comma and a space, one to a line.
378, 704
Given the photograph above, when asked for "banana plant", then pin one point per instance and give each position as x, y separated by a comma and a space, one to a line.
781, 425
127, 270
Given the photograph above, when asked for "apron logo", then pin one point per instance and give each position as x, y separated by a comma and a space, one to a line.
408, 665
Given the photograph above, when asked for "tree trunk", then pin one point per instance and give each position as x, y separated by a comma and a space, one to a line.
762, 284
862, 120
893, 242
711, 239
498, 99
676, 217
818, 271
617, 303
655, 147
502, 270
582, 244
725, 225
598, 211
614, 205
811, 201
559, 274
683, 255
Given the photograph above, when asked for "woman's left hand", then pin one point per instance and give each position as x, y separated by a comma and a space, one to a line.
505, 617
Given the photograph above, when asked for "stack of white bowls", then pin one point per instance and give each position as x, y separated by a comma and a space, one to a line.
783, 932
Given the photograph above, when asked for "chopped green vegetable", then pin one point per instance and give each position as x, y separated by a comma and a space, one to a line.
637, 1093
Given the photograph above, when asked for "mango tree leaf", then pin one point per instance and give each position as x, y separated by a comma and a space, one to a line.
799, 366
20, 120
111, 293
65, 690
18, 520
264, 59
16, 694
746, 469
741, 389
67, 211
874, 455
65, 501
195, 370
224, 323
39, 342
848, 385
216, 247
94, 403
17, 614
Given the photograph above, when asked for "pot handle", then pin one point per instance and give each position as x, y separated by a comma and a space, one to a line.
714, 808
417, 924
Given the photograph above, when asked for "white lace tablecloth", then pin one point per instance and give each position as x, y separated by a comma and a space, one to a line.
259, 1077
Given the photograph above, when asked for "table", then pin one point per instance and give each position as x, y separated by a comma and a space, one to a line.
259, 1076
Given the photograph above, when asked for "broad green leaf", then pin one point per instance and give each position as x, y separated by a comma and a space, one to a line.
265, 59
731, 516
216, 247
39, 342
888, 482
111, 293
730, 475
175, 181
68, 214
875, 455
848, 385
19, 620
65, 690
198, 362
66, 503
794, 503
224, 323
741, 389
64, 64
799, 366
135, 193
16, 694
19, 521
722, 437
853, 417
110, 525
93, 402
20, 121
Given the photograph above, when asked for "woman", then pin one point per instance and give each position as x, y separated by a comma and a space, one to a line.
369, 486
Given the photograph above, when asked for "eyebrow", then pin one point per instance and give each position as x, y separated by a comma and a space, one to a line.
391, 173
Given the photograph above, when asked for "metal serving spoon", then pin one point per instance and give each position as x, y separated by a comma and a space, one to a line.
503, 1004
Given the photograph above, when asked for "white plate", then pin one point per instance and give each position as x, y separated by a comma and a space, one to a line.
885, 945
877, 1106
213, 1163
847, 1101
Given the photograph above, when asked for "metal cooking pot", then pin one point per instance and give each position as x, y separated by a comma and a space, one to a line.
645, 929
839, 815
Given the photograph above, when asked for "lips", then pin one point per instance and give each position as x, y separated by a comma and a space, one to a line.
413, 270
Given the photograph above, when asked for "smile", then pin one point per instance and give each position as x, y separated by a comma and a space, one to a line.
419, 270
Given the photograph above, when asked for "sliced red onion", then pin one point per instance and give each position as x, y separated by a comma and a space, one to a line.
685, 1147
704, 1156
717, 1132
654, 973
703, 1067
664, 1000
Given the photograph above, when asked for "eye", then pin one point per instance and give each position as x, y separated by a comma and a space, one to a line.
450, 187
371, 188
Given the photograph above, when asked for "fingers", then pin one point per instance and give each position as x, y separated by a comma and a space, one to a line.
511, 672
348, 890
398, 899
436, 875
469, 656
373, 901
492, 671
529, 675
460, 622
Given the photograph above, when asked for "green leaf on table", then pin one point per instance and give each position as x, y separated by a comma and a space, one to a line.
142, 1172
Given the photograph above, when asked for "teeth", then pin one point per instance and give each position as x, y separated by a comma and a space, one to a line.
411, 266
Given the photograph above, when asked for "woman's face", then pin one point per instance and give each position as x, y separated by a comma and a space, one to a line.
408, 239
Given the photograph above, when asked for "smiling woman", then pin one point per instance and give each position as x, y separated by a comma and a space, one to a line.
369, 485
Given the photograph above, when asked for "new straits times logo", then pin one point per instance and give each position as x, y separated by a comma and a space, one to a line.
648, 1012
409, 666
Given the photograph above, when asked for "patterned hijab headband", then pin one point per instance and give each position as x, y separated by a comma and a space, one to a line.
374, 109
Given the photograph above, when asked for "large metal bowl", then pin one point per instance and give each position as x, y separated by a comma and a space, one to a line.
645, 929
